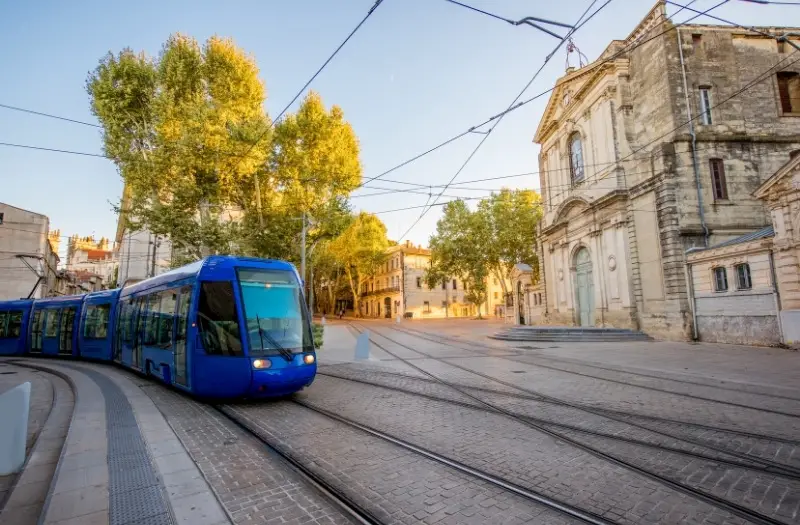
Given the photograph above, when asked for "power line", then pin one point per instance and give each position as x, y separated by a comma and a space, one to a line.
528, 20
41, 148
626, 49
748, 28
314, 76
41, 114
771, 2
576, 27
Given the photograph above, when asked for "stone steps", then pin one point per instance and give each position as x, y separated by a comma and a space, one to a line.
554, 334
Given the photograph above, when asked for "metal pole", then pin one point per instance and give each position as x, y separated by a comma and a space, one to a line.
311, 291
153, 259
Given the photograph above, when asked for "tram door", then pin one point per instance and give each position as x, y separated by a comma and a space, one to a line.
181, 361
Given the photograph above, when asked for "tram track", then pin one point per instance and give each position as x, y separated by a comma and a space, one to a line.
711, 499
442, 340
616, 415
789, 473
531, 395
334, 495
536, 497
363, 515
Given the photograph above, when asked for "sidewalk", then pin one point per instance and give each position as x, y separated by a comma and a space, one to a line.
110, 458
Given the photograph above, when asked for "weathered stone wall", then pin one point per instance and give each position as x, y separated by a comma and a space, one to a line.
748, 132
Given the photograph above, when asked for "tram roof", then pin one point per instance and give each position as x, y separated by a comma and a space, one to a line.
16, 304
215, 266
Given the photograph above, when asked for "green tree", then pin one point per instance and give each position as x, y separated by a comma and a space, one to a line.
512, 218
360, 250
315, 157
458, 249
187, 132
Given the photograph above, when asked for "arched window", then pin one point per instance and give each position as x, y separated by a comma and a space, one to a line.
576, 157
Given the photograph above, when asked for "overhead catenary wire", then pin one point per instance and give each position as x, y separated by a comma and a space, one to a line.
532, 21
49, 115
313, 77
580, 23
471, 130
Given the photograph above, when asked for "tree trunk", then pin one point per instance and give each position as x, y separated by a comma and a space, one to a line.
354, 291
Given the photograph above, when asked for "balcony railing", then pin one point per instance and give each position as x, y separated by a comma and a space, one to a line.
379, 291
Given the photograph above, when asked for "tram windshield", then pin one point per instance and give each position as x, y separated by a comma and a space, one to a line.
277, 323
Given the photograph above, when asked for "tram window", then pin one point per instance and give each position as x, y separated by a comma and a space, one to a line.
36, 331
167, 318
3, 323
151, 328
95, 325
67, 322
183, 313
216, 315
51, 323
125, 318
14, 324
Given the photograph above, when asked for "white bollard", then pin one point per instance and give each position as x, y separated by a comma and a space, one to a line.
323, 320
15, 406
397, 319
362, 345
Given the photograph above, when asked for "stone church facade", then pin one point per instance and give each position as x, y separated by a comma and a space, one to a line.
628, 186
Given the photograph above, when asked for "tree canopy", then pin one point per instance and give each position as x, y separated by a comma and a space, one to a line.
500, 233
457, 249
360, 250
200, 159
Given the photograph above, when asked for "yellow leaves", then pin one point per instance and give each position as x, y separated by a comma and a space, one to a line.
317, 153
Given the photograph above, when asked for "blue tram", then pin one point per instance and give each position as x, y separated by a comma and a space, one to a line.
223, 327
14, 317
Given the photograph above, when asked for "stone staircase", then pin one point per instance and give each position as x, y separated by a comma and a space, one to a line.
556, 334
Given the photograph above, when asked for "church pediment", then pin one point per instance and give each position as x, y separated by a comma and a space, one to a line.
568, 94
783, 181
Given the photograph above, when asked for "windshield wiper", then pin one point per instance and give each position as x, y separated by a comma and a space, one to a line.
285, 352
260, 332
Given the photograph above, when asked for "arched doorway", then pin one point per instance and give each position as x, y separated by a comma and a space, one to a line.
584, 288
387, 308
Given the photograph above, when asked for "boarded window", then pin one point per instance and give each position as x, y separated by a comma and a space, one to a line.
789, 91
719, 186
720, 280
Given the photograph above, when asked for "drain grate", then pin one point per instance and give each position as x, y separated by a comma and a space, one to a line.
6, 373
518, 371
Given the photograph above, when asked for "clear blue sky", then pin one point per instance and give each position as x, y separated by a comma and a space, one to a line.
417, 73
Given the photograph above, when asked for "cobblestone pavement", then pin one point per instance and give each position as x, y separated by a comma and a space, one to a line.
603, 394
770, 368
561, 417
732, 431
397, 485
512, 451
254, 486
41, 403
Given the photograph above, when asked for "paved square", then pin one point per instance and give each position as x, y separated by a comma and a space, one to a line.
632, 432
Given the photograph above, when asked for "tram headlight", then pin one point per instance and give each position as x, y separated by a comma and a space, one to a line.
261, 363
309, 359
